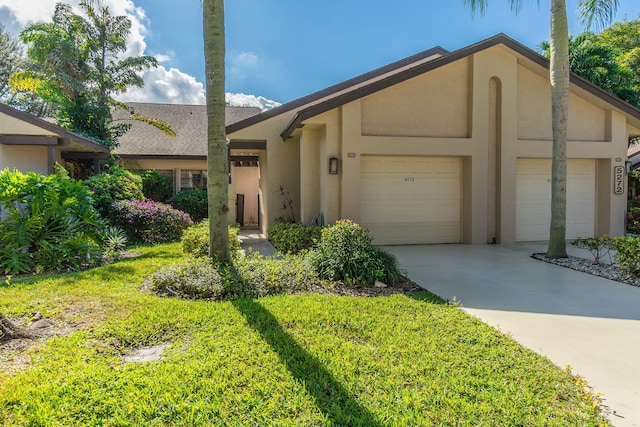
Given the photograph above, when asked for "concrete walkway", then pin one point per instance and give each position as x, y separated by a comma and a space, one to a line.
256, 241
573, 318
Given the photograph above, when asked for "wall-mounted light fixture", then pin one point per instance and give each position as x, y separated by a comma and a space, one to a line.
334, 165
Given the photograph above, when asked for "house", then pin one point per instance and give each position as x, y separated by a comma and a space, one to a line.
444, 147
31, 144
183, 158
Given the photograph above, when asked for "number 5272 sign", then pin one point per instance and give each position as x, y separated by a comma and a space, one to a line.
618, 180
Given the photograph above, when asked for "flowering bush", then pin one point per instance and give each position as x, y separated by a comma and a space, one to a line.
149, 221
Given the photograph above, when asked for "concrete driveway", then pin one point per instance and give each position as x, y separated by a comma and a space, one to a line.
573, 318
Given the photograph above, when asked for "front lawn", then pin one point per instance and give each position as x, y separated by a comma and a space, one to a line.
308, 359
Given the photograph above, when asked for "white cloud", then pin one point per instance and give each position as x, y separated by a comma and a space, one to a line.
243, 65
243, 100
167, 86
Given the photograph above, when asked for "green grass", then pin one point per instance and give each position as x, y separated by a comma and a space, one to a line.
308, 360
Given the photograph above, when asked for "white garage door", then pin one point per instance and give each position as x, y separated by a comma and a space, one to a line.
412, 200
533, 199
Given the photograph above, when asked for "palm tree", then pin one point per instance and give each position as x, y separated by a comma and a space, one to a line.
217, 154
591, 12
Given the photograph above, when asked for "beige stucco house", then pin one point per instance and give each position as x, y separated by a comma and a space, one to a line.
445, 147
30, 144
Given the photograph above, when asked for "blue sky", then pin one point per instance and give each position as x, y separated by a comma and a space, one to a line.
284, 49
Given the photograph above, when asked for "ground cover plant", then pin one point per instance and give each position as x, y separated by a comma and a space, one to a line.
305, 359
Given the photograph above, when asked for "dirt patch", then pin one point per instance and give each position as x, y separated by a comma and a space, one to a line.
14, 353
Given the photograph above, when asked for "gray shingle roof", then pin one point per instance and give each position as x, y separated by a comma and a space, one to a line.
188, 121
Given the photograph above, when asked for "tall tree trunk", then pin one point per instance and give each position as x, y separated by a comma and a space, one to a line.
559, 75
9, 330
217, 154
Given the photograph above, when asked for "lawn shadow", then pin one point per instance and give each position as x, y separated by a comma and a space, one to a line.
330, 396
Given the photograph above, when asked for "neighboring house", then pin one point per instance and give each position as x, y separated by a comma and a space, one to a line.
444, 148
183, 159
31, 144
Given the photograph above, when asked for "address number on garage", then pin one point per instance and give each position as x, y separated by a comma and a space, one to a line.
618, 180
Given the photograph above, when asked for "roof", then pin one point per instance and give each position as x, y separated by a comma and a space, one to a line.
188, 121
71, 141
366, 84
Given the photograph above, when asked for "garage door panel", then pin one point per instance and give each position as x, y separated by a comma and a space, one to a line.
411, 199
533, 199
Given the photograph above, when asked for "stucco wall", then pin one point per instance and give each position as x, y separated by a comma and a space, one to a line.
434, 104
586, 121
24, 158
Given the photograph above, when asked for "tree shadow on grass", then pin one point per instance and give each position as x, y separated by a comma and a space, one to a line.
330, 396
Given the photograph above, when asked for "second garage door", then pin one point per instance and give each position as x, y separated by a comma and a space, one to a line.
412, 200
533, 199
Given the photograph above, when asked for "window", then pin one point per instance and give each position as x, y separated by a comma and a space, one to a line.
191, 179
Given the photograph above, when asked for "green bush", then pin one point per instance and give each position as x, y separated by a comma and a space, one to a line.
293, 237
269, 275
194, 278
346, 253
114, 184
195, 239
156, 186
194, 202
633, 220
598, 246
628, 253
149, 221
47, 223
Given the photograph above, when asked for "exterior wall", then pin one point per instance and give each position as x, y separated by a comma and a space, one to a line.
24, 158
246, 181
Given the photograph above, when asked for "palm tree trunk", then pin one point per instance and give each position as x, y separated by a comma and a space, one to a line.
559, 75
10, 331
217, 154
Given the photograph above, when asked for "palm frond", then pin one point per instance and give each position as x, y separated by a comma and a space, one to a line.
597, 13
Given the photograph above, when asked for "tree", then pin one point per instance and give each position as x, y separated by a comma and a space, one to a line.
217, 152
591, 11
603, 64
12, 60
80, 69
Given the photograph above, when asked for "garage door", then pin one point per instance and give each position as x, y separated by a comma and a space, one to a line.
411, 200
533, 199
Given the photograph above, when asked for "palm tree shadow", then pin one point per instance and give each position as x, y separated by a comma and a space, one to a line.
330, 396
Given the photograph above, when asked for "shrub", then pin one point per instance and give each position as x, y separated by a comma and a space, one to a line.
47, 223
194, 202
598, 246
114, 184
269, 275
195, 239
346, 253
115, 242
194, 278
628, 253
633, 220
156, 186
293, 237
149, 222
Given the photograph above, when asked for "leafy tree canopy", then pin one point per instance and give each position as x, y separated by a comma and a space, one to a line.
81, 67
610, 60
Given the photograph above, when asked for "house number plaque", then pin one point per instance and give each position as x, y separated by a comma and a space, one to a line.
618, 180
409, 179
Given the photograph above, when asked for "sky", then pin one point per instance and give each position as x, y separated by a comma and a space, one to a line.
280, 50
